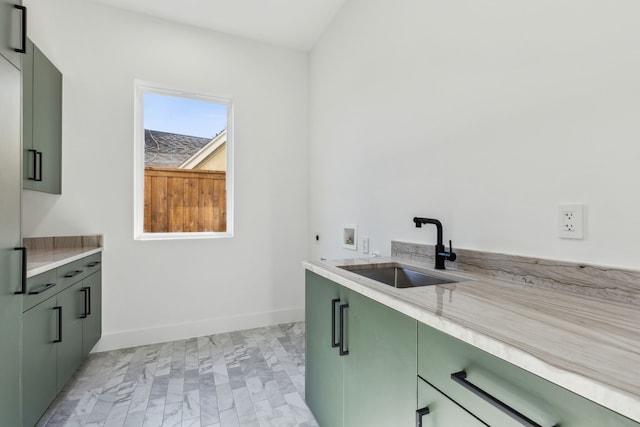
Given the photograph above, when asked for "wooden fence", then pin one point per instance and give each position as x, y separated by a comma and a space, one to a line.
186, 200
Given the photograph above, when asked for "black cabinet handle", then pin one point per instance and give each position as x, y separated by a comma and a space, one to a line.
88, 301
35, 165
84, 302
460, 378
59, 310
73, 273
39, 176
421, 413
41, 289
334, 343
93, 264
24, 29
23, 285
343, 351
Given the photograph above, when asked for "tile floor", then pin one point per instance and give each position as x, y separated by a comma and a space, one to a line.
247, 378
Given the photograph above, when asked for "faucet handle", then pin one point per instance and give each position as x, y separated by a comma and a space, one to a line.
452, 256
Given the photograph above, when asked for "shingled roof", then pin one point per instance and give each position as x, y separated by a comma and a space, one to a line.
170, 150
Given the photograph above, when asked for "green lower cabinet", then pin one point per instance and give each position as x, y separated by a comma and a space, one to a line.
437, 410
545, 403
323, 386
374, 385
62, 322
69, 350
40, 330
380, 369
92, 324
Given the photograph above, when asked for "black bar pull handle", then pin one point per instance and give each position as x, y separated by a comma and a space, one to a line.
93, 264
334, 303
39, 176
421, 413
23, 285
343, 351
59, 310
35, 165
73, 273
461, 378
83, 315
88, 301
22, 9
41, 289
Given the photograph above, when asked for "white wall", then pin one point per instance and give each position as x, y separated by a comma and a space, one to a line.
162, 290
484, 114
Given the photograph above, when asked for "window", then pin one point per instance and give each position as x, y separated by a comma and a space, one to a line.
183, 167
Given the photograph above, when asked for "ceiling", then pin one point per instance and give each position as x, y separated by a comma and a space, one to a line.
291, 23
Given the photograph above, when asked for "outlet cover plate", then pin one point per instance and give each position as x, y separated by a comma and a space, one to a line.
571, 221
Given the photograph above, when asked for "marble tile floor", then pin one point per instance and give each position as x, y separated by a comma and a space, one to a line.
252, 378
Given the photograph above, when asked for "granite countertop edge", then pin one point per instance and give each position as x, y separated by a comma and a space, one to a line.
609, 396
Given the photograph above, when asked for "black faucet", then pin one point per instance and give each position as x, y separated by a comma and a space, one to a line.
441, 254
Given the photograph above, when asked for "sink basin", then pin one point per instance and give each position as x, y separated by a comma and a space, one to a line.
400, 276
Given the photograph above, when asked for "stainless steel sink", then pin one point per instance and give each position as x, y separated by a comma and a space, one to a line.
400, 276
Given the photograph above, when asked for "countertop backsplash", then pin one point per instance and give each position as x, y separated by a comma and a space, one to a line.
62, 242
611, 284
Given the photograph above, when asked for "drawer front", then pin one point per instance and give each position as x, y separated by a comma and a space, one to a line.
437, 410
71, 273
40, 288
91, 264
440, 355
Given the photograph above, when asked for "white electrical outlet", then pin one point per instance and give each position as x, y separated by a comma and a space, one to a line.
365, 245
571, 221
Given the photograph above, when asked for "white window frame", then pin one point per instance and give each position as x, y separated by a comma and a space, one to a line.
142, 87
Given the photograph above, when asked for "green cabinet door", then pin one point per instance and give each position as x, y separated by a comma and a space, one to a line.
380, 369
42, 122
69, 350
47, 123
324, 374
10, 271
11, 31
29, 157
40, 330
92, 325
437, 410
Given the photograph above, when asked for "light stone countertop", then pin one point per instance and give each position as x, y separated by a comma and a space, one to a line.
585, 344
42, 260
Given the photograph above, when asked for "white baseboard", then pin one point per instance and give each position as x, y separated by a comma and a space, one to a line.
164, 333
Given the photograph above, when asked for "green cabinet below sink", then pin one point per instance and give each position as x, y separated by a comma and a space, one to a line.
374, 383
396, 367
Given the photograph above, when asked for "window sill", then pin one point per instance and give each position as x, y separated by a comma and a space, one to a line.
183, 236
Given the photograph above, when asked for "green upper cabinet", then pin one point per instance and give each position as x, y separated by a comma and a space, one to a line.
42, 122
10, 261
12, 28
374, 383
